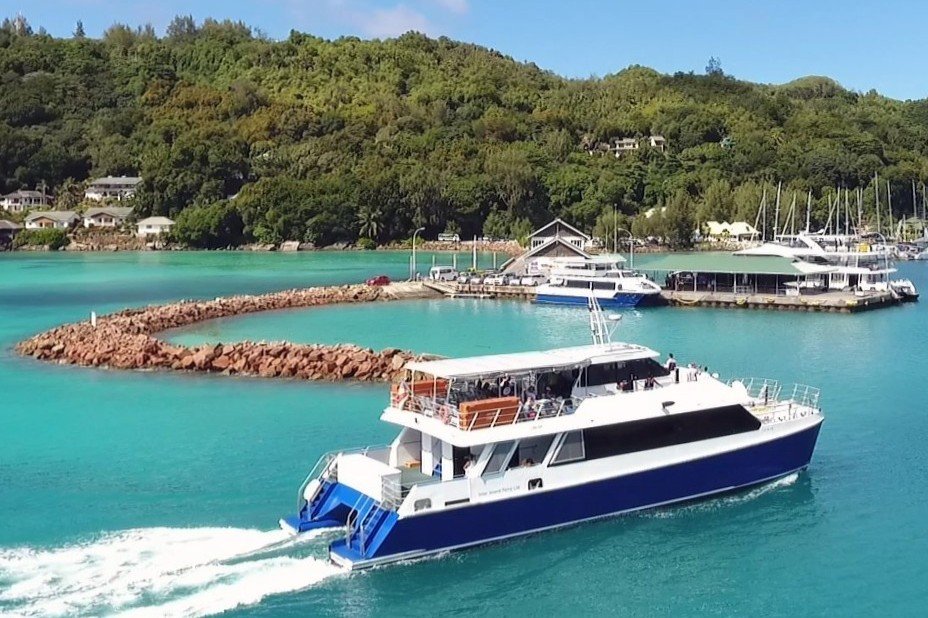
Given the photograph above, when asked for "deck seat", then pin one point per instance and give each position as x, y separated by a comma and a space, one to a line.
485, 413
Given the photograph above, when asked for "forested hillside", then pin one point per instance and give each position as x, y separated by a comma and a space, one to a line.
243, 138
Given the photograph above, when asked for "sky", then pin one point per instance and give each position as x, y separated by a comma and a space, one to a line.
863, 44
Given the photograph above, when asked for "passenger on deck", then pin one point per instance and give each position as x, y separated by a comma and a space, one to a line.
671, 363
649, 383
528, 461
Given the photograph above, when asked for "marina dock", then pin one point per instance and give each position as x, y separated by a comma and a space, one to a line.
829, 302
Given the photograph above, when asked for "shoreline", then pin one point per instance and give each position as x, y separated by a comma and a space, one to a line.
126, 339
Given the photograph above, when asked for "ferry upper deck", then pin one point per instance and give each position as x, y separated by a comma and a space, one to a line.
480, 400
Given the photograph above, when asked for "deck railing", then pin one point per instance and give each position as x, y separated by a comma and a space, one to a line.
325, 471
774, 402
450, 414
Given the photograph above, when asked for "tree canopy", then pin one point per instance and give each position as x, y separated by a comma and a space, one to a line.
327, 141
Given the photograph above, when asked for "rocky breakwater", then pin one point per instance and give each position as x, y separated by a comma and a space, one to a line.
125, 340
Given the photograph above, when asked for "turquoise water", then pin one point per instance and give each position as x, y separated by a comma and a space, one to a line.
141, 491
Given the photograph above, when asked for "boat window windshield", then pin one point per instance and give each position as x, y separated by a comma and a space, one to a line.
604, 285
502, 453
533, 450
571, 448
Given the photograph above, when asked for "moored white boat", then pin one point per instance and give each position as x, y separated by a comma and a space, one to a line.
572, 282
495, 447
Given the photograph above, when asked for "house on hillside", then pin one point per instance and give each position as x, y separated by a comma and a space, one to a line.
8, 231
52, 219
107, 216
154, 226
657, 141
624, 144
112, 187
558, 229
23, 200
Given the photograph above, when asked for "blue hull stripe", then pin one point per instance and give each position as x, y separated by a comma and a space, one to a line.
624, 300
424, 534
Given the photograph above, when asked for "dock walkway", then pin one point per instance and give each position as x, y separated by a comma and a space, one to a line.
833, 302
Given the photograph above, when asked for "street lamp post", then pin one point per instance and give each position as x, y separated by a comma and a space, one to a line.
631, 246
412, 274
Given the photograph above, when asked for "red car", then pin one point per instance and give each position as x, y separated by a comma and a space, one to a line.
379, 280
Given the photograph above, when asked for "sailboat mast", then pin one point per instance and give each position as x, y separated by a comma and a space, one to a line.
847, 210
809, 212
776, 212
876, 198
860, 209
889, 207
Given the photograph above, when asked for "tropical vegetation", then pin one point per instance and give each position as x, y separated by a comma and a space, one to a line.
241, 138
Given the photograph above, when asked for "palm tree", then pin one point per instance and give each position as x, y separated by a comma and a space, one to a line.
370, 219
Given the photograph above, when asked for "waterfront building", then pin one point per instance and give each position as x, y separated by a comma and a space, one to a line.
23, 200
107, 216
728, 273
154, 226
549, 245
558, 229
112, 187
8, 232
52, 219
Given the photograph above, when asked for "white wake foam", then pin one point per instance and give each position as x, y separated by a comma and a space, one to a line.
157, 572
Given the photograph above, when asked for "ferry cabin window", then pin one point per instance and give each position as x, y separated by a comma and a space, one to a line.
613, 373
604, 285
670, 430
583, 285
532, 451
570, 449
502, 454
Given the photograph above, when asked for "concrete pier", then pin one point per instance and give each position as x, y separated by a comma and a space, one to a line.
830, 302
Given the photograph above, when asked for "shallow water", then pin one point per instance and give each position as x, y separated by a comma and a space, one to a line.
160, 493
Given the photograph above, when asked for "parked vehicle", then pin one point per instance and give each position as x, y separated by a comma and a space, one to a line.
379, 280
495, 279
532, 280
449, 238
443, 273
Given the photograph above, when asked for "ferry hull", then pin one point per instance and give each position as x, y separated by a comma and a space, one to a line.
422, 535
619, 301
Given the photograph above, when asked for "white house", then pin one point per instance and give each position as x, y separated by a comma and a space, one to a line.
558, 229
22, 200
108, 216
112, 187
737, 230
52, 219
625, 144
657, 141
154, 226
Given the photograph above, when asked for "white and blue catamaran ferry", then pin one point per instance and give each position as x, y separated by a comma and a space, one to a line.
495, 447
573, 281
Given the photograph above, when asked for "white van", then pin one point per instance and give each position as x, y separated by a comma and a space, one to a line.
449, 238
442, 273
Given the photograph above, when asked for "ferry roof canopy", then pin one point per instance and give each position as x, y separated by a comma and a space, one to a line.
734, 264
523, 362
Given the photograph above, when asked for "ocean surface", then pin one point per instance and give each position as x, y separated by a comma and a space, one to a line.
158, 494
